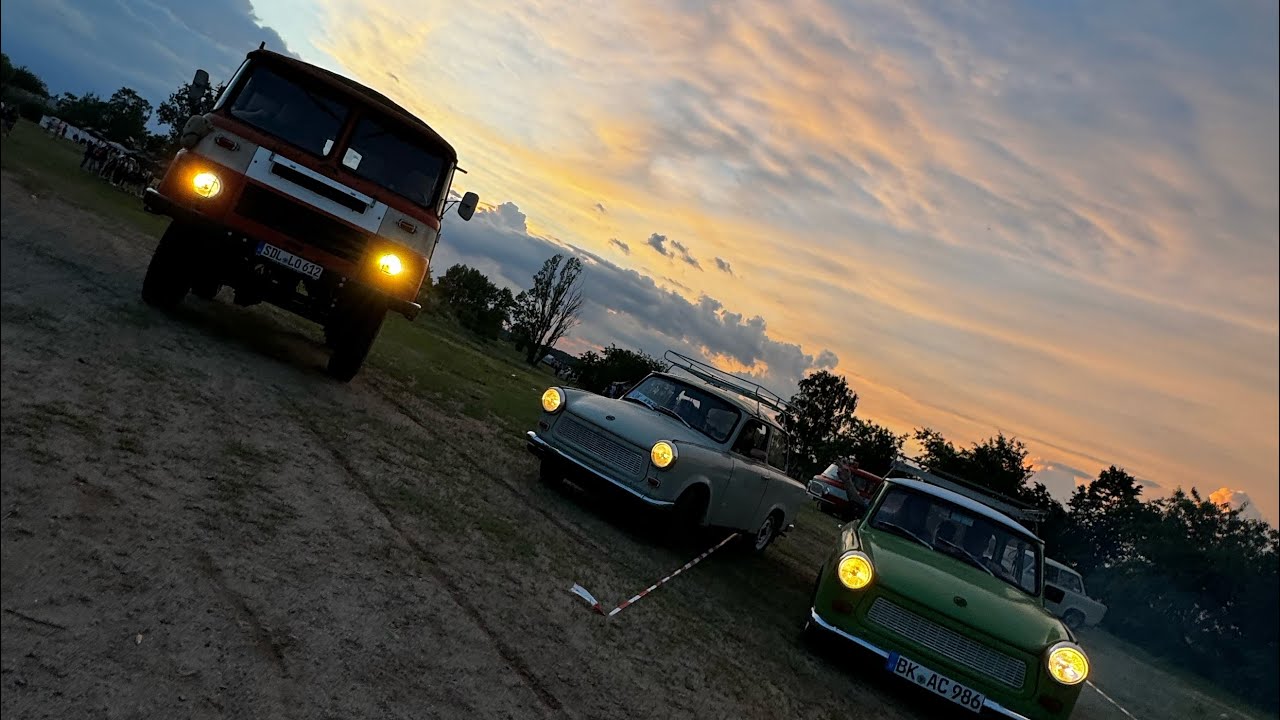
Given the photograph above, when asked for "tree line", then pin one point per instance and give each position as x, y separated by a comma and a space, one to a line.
123, 117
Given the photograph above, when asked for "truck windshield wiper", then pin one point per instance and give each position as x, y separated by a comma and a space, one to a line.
668, 411
963, 554
901, 531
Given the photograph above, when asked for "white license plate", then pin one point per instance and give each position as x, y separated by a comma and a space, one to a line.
289, 260
935, 682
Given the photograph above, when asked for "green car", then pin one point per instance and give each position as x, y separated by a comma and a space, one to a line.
949, 592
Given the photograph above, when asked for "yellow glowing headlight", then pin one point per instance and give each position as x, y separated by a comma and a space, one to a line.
390, 264
855, 571
552, 399
206, 184
1068, 664
663, 454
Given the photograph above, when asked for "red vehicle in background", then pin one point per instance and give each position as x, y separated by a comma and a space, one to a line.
844, 489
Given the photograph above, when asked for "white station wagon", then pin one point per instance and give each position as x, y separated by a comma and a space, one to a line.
706, 447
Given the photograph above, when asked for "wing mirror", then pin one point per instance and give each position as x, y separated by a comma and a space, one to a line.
467, 206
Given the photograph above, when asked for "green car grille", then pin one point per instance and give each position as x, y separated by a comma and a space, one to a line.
948, 643
622, 459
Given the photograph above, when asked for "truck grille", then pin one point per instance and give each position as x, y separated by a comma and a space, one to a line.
948, 643
301, 222
628, 462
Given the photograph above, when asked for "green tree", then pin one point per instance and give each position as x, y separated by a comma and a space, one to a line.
6, 70
1107, 519
596, 371
24, 79
125, 116
874, 446
822, 410
998, 463
477, 304
176, 109
545, 312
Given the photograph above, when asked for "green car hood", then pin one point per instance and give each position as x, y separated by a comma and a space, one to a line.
934, 580
632, 421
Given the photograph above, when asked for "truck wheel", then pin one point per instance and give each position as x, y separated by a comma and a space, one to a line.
685, 517
206, 289
167, 280
352, 333
1073, 619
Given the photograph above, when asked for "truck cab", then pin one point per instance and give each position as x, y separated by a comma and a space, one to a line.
307, 190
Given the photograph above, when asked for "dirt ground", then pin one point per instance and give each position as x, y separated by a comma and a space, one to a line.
198, 523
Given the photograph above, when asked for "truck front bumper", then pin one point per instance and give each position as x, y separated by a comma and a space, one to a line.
543, 450
156, 203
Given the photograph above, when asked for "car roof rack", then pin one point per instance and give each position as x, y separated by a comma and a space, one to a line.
763, 397
1017, 509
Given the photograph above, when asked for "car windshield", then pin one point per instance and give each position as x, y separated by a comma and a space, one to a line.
299, 115
703, 411
963, 535
412, 167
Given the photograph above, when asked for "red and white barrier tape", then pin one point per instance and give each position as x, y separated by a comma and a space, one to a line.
595, 604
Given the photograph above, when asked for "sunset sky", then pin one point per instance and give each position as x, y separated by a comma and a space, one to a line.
1055, 220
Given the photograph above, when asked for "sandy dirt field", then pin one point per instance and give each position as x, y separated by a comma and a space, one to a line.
198, 523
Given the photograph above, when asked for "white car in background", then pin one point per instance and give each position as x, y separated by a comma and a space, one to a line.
1065, 597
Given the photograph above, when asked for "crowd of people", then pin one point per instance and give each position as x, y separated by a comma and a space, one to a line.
117, 167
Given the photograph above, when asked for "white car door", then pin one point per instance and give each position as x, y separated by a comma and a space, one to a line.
749, 479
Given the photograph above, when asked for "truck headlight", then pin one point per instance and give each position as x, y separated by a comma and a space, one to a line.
854, 570
390, 265
1067, 663
663, 454
552, 400
206, 184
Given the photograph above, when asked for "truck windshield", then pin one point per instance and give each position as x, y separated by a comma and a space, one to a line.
290, 111
699, 409
409, 166
966, 536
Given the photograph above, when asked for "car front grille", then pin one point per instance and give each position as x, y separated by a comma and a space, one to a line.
948, 643
301, 223
626, 461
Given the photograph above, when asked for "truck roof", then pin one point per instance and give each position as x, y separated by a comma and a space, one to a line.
361, 93
965, 502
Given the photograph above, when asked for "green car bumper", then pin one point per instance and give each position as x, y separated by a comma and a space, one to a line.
814, 617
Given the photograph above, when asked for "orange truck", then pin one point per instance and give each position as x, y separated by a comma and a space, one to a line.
307, 190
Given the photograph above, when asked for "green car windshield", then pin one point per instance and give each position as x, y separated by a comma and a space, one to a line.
962, 534
695, 407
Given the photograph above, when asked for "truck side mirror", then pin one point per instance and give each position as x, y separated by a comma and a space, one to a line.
467, 206
199, 84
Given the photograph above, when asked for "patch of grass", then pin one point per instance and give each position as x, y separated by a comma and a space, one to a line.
130, 444
442, 362
48, 166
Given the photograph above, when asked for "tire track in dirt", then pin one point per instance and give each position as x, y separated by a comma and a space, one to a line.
357, 482
263, 641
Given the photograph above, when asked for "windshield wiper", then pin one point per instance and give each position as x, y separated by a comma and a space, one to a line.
668, 411
965, 555
899, 530
637, 400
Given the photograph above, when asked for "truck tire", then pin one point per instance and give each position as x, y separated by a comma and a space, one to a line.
684, 519
168, 275
352, 332
767, 532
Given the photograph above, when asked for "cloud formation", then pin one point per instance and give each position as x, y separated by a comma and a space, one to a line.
723, 266
1237, 500
627, 307
623, 247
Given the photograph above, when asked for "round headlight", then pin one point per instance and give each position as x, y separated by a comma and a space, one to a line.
390, 264
1068, 664
855, 570
663, 454
206, 184
552, 400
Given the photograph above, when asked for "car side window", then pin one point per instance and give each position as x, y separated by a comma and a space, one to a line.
1050, 573
754, 436
778, 450
1071, 581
